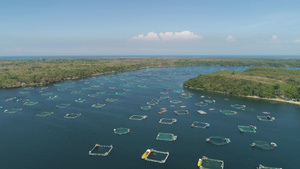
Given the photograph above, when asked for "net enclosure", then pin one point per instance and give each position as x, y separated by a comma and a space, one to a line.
80, 100
64, 105
208, 163
138, 117
111, 100
217, 140
238, 106
175, 101
101, 150
167, 121
228, 112
98, 105
264, 145
264, 167
121, 130
146, 107
209, 101
181, 112
44, 114
202, 125
166, 137
265, 118
72, 115
247, 129
13, 110
155, 156
53, 97
30, 103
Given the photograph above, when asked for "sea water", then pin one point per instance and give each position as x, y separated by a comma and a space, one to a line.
32, 142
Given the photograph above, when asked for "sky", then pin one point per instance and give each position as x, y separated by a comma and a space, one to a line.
144, 27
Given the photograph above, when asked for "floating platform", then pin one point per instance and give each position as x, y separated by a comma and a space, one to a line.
264, 167
155, 156
64, 105
98, 105
101, 150
208, 163
121, 130
167, 121
228, 112
44, 114
217, 140
72, 115
264, 145
265, 118
181, 112
247, 129
138, 117
146, 107
166, 137
202, 125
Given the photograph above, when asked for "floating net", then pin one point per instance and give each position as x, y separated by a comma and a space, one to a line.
167, 121
153, 102
53, 97
165, 97
265, 118
264, 145
100, 92
181, 112
80, 100
112, 88
111, 100
166, 137
121, 130
138, 117
141, 86
146, 107
13, 110
30, 103
178, 91
247, 129
228, 112
163, 110
164, 92
201, 104
57, 85
216, 140
93, 95
120, 93
101, 150
238, 106
46, 94
175, 101
64, 105
85, 88
264, 167
44, 114
208, 163
157, 156
75, 92
10, 99
72, 115
24, 92
201, 125
98, 105
209, 101
186, 95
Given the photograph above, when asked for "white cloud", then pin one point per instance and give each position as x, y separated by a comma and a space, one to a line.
184, 35
297, 41
151, 36
230, 39
274, 37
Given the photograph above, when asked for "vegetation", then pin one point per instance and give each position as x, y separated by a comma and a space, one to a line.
261, 82
17, 73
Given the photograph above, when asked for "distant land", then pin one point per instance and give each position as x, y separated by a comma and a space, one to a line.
32, 72
269, 83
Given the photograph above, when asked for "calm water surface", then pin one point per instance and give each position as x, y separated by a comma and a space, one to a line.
31, 142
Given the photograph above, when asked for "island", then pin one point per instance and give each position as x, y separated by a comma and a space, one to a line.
260, 82
34, 72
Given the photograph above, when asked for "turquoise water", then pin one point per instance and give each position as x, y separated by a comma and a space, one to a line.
31, 142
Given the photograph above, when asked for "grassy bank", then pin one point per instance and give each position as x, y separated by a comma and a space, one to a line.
17, 73
262, 82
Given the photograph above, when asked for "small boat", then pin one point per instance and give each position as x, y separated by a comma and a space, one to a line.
146, 153
199, 162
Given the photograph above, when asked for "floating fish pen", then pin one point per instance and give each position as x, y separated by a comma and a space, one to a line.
181, 112
186, 95
146, 107
10, 99
63, 105
120, 93
264, 167
247, 129
153, 102
75, 92
121, 130
228, 112
86, 88
164, 93
166, 137
264, 145
101, 92
201, 104
30, 103
53, 97
165, 97
175, 101
12, 111
57, 85
178, 91
24, 92
265, 118
163, 110
238, 106
209, 101
44, 114
208, 163
46, 94
201, 125
101, 150
72, 115
93, 95
138, 117
98, 105
80, 100
167, 121
267, 113
111, 100
216, 140
155, 156
141, 86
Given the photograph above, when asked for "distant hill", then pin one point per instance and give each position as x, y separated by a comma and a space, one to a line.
261, 82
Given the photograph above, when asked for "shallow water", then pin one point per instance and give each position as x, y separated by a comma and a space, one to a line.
28, 141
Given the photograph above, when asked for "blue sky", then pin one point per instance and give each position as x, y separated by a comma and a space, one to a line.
156, 27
